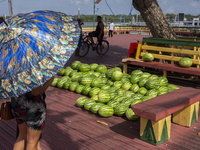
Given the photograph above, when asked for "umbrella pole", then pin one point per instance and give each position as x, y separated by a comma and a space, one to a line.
4, 21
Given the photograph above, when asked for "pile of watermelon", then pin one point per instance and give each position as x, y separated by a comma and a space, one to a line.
111, 92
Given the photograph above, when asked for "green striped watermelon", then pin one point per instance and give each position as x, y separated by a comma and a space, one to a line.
67, 72
79, 89
72, 73
117, 75
86, 80
136, 101
152, 84
135, 78
142, 91
117, 84
93, 66
137, 96
113, 103
121, 109
95, 108
126, 86
104, 97
112, 95
84, 68
97, 82
163, 81
106, 111
153, 77
101, 69
130, 115
94, 91
121, 91
119, 98
136, 72
128, 94
145, 74
185, 62
134, 88
105, 87
172, 87
148, 57
142, 81
88, 104
152, 93
55, 81
73, 85
81, 101
110, 83
75, 64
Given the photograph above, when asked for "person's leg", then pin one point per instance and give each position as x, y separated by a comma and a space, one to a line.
32, 138
38, 146
109, 33
100, 45
112, 33
17, 132
21, 139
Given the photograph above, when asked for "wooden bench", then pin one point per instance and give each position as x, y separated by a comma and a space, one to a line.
155, 114
160, 52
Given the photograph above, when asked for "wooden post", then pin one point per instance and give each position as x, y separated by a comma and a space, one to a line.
125, 66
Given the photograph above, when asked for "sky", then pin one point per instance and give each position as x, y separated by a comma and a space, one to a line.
71, 7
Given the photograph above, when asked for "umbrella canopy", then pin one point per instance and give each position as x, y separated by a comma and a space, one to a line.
34, 47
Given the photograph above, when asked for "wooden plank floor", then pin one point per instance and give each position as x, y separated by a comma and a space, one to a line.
70, 127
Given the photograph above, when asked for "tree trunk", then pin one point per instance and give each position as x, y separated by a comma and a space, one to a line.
155, 19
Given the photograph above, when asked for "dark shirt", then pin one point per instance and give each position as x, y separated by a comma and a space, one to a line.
98, 29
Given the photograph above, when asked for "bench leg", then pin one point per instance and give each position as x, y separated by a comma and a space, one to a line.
155, 132
164, 73
186, 116
125, 68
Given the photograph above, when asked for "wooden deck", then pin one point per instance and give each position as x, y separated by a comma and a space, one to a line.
69, 127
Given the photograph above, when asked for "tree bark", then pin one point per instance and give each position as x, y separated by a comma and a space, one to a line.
155, 19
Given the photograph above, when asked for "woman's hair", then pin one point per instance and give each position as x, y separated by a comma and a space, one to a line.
99, 17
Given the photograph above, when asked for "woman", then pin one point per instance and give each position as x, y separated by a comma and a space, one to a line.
30, 110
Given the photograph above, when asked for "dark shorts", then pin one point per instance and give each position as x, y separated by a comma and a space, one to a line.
30, 109
95, 34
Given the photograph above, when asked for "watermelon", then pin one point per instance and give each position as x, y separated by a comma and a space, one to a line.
136, 101
145, 98
88, 104
86, 80
121, 109
61, 83
112, 89
153, 77
84, 68
78, 66
90, 72
93, 66
67, 72
148, 57
95, 108
127, 101
185, 62
106, 111
105, 87
136, 72
135, 78
142, 81
121, 91
73, 85
162, 92
104, 97
68, 68
94, 91
126, 86
152, 93
163, 88
142, 91
172, 87
55, 81
125, 75
86, 90
134, 88
119, 98
124, 80
110, 83
117, 75
112, 95
65, 78
72, 73
81, 101
109, 73
104, 80
128, 94
145, 74
61, 72
113, 103
163, 81
117, 69
66, 85
117, 84
94, 98
97, 82
101, 69
104, 76
77, 77
152, 84
137, 96
79, 89
97, 74
75, 64
130, 115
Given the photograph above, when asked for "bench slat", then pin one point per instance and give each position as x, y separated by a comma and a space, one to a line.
170, 41
164, 105
167, 67
172, 50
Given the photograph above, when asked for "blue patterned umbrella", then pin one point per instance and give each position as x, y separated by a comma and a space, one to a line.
34, 47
